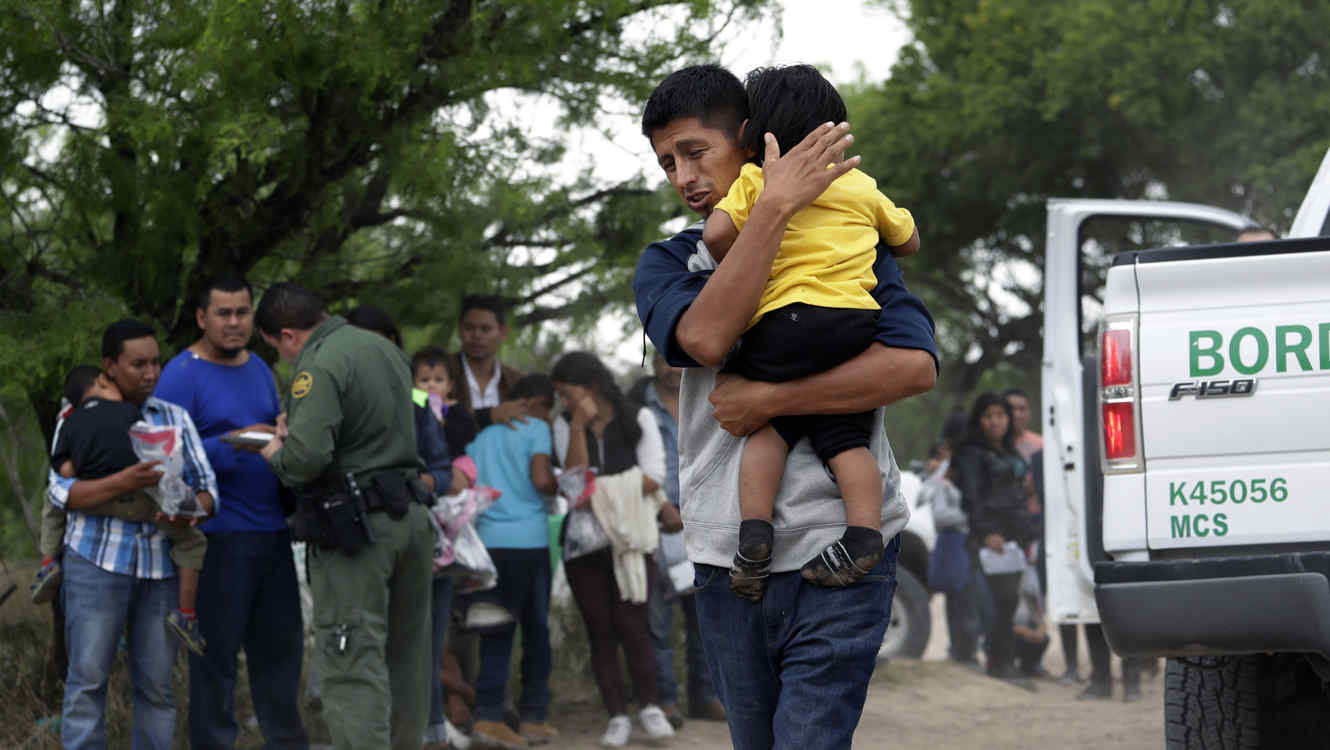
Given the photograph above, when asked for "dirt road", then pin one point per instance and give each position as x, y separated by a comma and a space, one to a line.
936, 705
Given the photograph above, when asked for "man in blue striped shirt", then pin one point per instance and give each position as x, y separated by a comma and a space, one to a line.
118, 574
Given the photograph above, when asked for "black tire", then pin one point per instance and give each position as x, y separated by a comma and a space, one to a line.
1244, 703
911, 620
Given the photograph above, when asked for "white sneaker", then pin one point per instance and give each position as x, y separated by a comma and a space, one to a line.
656, 724
617, 733
456, 737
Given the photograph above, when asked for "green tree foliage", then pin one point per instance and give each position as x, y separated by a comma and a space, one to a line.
375, 150
999, 105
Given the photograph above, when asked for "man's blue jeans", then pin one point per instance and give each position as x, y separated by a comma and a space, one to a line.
248, 598
792, 670
99, 605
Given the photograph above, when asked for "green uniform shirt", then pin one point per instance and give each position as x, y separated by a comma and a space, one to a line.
349, 409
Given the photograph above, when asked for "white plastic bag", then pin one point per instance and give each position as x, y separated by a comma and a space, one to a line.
459, 552
165, 443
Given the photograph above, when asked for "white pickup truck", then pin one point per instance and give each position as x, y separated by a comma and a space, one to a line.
1186, 416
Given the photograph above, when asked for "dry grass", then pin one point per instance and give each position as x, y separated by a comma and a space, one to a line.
30, 697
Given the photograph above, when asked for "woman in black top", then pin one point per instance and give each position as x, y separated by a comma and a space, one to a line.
991, 476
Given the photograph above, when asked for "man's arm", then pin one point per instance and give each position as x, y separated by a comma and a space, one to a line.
197, 471
878, 376
713, 322
81, 494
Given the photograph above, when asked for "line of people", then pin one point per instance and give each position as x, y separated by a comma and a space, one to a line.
984, 483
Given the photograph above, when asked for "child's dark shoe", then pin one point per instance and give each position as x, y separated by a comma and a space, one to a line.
847, 559
748, 578
186, 629
49, 576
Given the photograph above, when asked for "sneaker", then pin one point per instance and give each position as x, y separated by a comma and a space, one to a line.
618, 731
1071, 677
187, 630
1096, 691
537, 732
673, 715
748, 578
456, 737
656, 725
835, 568
497, 734
48, 581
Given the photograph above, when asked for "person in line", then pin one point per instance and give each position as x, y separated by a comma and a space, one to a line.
484, 384
991, 476
518, 463
944, 497
117, 573
348, 448
439, 476
816, 311
600, 431
1030, 627
792, 671
659, 392
1027, 441
248, 592
95, 443
429, 367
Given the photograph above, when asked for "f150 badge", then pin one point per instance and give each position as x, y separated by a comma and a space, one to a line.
1213, 389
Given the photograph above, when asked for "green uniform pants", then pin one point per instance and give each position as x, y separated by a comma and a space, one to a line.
372, 634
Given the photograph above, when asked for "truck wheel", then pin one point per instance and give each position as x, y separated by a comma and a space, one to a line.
911, 621
1242, 702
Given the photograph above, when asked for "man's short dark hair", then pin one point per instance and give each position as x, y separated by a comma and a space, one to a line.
708, 92
78, 381
227, 282
491, 302
788, 102
430, 356
288, 305
116, 334
534, 385
375, 319
1015, 392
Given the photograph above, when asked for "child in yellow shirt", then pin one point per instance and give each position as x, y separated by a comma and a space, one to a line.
816, 312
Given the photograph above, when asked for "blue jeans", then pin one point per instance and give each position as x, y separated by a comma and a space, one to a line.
660, 615
248, 598
99, 605
440, 614
524, 590
792, 670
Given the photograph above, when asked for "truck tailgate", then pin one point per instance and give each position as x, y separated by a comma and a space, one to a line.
1234, 362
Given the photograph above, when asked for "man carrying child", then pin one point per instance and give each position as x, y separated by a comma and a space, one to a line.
119, 573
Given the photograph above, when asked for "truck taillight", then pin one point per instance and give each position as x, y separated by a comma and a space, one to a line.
1115, 361
1119, 431
1119, 396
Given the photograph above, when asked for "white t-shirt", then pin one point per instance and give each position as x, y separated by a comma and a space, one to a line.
584, 533
488, 398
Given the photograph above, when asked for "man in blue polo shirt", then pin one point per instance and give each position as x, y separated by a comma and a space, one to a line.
248, 596
793, 669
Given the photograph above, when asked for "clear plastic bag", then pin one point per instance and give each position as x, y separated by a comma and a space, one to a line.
165, 443
458, 550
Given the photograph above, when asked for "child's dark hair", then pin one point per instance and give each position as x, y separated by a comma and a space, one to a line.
535, 385
430, 356
79, 380
789, 103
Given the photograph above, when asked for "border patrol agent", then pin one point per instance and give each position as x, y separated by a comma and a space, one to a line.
348, 448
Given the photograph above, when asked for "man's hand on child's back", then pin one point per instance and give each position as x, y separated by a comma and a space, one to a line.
797, 178
509, 412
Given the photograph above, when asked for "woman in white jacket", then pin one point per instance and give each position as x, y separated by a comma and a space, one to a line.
598, 429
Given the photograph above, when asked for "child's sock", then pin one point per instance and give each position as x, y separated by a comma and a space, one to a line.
47, 561
756, 538
861, 541
188, 613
